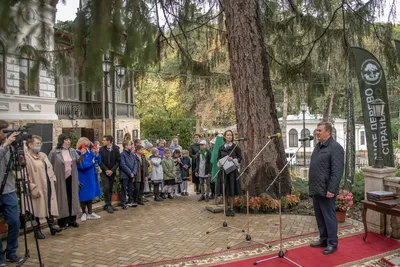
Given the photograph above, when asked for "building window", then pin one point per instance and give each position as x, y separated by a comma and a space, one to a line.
333, 133
2, 69
293, 138
68, 87
362, 138
306, 133
28, 72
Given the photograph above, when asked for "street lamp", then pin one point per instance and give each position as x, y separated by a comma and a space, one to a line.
120, 73
303, 107
378, 106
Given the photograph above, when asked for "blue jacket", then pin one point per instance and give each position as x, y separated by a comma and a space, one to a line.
90, 186
326, 168
127, 165
185, 172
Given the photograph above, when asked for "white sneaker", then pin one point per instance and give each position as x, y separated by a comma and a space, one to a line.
83, 217
93, 216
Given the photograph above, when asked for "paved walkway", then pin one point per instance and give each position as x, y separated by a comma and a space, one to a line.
155, 232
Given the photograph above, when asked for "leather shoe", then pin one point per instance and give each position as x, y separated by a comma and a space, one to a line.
318, 244
329, 250
74, 224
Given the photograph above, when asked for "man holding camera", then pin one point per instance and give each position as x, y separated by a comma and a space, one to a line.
8, 200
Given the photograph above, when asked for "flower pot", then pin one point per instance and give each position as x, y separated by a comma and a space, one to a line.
115, 197
340, 216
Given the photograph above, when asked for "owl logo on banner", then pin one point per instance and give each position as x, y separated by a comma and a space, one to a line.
371, 72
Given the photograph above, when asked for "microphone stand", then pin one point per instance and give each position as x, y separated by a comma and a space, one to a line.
248, 236
224, 223
281, 253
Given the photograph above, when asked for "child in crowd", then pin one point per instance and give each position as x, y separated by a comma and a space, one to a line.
127, 172
161, 148
203, 170
169, 173
142, 175
185, 169
147, 153
156, 173
178, 177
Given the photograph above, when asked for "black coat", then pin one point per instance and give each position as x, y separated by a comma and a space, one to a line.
326, 168
232, 185
208, 162
110, 159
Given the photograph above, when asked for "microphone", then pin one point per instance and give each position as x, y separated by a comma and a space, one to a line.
277, 135
309, 138
241, 139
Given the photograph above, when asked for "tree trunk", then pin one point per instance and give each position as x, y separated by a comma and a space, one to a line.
350, 141
285, 114
256, 113
328, 108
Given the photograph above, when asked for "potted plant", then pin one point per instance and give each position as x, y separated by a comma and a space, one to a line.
293, 200
116, 195
344, 200
254, 204
284, 203
267, 203
240, 204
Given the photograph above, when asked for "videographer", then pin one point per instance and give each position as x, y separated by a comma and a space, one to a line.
8, 200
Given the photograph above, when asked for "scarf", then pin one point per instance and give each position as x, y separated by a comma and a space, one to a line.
203, 154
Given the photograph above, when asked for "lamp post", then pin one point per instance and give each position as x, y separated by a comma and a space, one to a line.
303, 107
378, 106
120, 73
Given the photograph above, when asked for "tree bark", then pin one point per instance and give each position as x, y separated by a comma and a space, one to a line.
285, 113
255, 109
350, 141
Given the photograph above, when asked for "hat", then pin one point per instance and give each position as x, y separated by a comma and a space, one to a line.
203, 142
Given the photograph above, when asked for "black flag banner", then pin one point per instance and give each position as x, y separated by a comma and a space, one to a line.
372, 83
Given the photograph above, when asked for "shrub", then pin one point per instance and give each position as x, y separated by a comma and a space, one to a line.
300, 187
358, 186
240, 202
292, 200
255, 203
284, 202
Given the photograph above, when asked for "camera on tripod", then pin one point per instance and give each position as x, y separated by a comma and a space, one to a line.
21, 137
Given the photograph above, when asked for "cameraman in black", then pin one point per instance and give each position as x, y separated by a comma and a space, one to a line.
8, 200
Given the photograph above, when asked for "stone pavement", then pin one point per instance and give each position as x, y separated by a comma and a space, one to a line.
155, 232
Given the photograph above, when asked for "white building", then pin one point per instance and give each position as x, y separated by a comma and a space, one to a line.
294, 131
31, 94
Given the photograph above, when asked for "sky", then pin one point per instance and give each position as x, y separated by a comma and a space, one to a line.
68, 11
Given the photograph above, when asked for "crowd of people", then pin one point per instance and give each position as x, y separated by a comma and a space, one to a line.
65, 183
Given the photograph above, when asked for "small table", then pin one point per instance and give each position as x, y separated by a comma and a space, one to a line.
373, 206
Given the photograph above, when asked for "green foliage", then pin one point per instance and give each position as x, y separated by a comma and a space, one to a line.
358, 187
284, 202
300, 187
74, 139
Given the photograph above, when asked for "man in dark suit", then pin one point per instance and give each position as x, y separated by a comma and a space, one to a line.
326, 170
110, 159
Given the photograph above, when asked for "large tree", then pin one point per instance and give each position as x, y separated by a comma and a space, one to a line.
254, 100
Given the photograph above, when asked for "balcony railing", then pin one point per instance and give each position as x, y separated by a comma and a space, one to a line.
66, 109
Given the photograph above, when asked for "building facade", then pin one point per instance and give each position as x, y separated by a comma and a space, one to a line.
294, 131
30, 93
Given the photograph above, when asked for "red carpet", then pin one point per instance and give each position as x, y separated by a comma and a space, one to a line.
351, 249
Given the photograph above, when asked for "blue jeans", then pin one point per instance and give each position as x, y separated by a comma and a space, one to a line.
9, 209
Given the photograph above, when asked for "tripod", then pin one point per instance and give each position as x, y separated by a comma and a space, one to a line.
248, 236
17, 164
224, 223
281, 253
